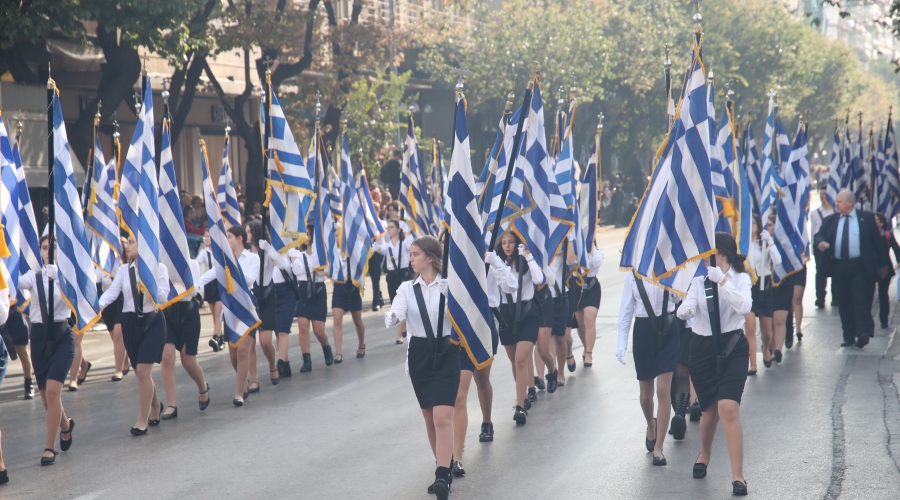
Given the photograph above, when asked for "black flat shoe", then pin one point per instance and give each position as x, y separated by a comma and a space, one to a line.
650, 444
487, 432
170, 416
73, 388
138, 432
125, 371
586, 364
338, 359
532, 394
204, 404
571, 366
116, 378
799, 337
329, 357
4, 476
789, 341
777, 356
699, 471
253, 390
285, 369
363, 353
767, 363
520, 415
441, 489
751, 373
274, 380
659, 460
539, 383
457, 469
846, 344
237, 402
86, 370
551, 382
696, 413
739, 488
49, 460
214, 343
65, 444
862, 341
399, 342
155, 422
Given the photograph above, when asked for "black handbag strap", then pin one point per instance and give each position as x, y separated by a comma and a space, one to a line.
309, 279
715, 325
423, 311
391, 254
209, 258
42, 299
658, 320
136, 294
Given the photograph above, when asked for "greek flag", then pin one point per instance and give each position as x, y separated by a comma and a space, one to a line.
226, 194
101, 210
751, 166
797, 182
775, 142
9, 210
29, 247
412, 183
673, 228
721, 191
172, 236
745, 208
238, 312
735, 182
880, 180
289, 191
373, 223
891, 171
861, 176
325, 244
334, 191
588, 207
356, 246
435, 192
834, 171
564, 178
73, 256
467, 300
848, 173
493, 175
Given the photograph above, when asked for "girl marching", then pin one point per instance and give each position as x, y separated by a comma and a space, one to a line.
312, 304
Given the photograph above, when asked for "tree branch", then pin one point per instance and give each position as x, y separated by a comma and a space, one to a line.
192, 78
284, 71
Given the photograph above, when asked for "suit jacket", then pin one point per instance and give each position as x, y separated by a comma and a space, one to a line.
891, 246
872, 244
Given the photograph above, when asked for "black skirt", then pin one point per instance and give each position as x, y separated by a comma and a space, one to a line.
527, 328
710, 386
56, 366
211, 293
433, 388
684, 346
111, 313
149, 348
266, 308
394, 279
590, 296
575, 293
285, 307
650, 361
763, 300
560, 315
16, 328
183, 326
347, 297
314, 308
543, 298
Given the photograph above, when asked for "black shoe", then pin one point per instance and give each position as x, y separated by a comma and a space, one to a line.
329, 357
375, 308
86, 370
539, 383
116, 378
883, 325
846, 344
751, 373
767, 363
678, 426
527, 404
155, 422
862, 341
799, 337
532, 394
551, 382
29, 388
363, 353
277, 370
586, 364
789, 340
50, 460
695, 412
204, 404
441, 489
739, 488
170, 416
65, 444
699, 470
659, 460
237, 402
457, 469
820, 305
648, 443
221, 342
777, 356
138, 432
285, 370
214, 343
307, 364
487, 432
254, 390
571, 366
520, 415
4, 477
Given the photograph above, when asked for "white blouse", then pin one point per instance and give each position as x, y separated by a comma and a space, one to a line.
632, 306
406, 308
304, 260
4, 305
497, 294
249, 263
122, 284
762, 257
195, 274
734, 303
61, 311
594, 262
395, 252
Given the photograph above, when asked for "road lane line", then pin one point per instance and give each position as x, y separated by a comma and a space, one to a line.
364, 380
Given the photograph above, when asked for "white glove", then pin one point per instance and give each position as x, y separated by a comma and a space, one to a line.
294, 254
620, 355
404, 226
523, 251
50, 271
443, 286
263, 245
492, 259
715, 274
570, 235
390, 319
765, 236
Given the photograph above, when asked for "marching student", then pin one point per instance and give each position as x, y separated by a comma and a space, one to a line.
396, 257
884, 302
112, 319
211, 295
285, 305
655, 345
554, 312
761, 256
588, 305
183, 335
144, 332
435, 382
16, 330
266, 305
4, 362
52, 351
518, 336
312, 304
720, 391
782, 307
243, 356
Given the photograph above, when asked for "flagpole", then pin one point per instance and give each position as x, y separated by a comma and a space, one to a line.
667, 66
51, 205
89, 177
597, 188
267, 132
510, 165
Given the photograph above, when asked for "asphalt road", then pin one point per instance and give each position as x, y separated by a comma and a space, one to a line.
825, 423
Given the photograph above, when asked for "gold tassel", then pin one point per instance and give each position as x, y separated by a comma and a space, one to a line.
268, 194
229, 283
4, 251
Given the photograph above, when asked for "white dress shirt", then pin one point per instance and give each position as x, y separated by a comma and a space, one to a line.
195, 275
534, 275
734, 303
249, 263
762, 256
595, 261
4, 305
632, 306
817, 216
406, 308
122, 284
500, 279
61, 311
302, 260
205, 259
274, 259
399, 250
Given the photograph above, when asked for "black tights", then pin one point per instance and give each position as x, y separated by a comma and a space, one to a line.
681, 380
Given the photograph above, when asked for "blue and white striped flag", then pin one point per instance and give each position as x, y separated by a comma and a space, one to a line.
797, 181
290, 189
101, 210
788, 237
834, 171
238, 312
879, 177
373, 223
326, 243
9, 211
174, 253
751, 166
860, 177
494, 174
673, 229
467, 301
721, 188
73, 256
892, 171
848, 173
412, 183
588, 208
29, 247
356, 246
226, 194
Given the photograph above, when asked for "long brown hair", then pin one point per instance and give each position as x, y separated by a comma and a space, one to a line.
726, 248
513, 260
432, 248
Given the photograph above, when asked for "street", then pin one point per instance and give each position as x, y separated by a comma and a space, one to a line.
825, 423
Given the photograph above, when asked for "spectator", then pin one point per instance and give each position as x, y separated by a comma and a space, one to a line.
189, 221
390, 173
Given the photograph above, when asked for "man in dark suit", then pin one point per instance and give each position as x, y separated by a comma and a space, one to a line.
851, 245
